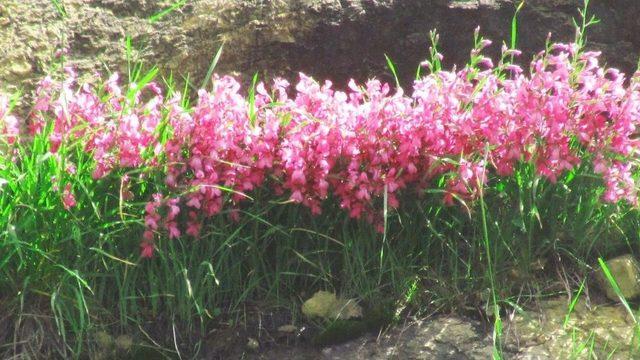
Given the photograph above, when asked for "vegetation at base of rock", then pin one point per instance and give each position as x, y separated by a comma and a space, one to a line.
336, 331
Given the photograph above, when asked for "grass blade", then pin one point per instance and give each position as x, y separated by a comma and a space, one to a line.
392, 68
212, 66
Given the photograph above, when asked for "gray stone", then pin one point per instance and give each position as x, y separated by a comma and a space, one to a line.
438, 338
543, 332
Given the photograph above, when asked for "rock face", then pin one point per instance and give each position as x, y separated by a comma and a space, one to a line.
550, 331
333, 39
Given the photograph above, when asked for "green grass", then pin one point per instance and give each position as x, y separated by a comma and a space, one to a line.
616, 289
60, 8
175, 6
83, 274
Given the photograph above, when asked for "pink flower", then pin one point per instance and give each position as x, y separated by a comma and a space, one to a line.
146, 249
9, 124
457, 130
193, 225
68, 200
172, 228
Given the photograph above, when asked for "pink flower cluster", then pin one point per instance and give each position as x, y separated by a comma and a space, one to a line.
9, 125
116, 129
361, 145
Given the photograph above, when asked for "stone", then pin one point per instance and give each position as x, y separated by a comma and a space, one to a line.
592, 331
346, 309
493, 4
437, 338
288, 329
103, 339
21, 68
320, 304
626, 271
124, 342
327, 305
253, 344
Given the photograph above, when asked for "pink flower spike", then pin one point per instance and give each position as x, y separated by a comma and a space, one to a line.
173, 230
68, 200
146, 250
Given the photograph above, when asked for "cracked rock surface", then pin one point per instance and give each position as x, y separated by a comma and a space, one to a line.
332, 39
589, 331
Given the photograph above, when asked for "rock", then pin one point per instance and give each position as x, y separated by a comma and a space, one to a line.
437, 338
587, 332
626, 272
347, 309
339, 330
253, 344
451, 338
103, 339
592, 332
320, 304
326, 305
287, 329
333, 39
124, 342
20, 68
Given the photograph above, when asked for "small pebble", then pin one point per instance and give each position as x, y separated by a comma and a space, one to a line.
253, 344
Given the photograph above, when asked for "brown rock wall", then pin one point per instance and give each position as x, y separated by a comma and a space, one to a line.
334, 39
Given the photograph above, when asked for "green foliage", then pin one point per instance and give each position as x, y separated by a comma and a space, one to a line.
82, 266
176, 5
60, 9
339, 330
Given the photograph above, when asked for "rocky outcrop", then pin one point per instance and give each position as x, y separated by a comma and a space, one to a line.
550, 330
333, 39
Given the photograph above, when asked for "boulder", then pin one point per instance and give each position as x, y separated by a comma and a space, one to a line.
327, 305
626, 272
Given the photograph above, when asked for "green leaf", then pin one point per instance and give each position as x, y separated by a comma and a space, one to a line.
252, 100
392, 67
514, 25
212, 66
175, 6
616, 289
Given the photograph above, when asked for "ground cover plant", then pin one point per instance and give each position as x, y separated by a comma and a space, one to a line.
132, 208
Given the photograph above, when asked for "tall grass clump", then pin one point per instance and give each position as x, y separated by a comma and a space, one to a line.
130, 210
